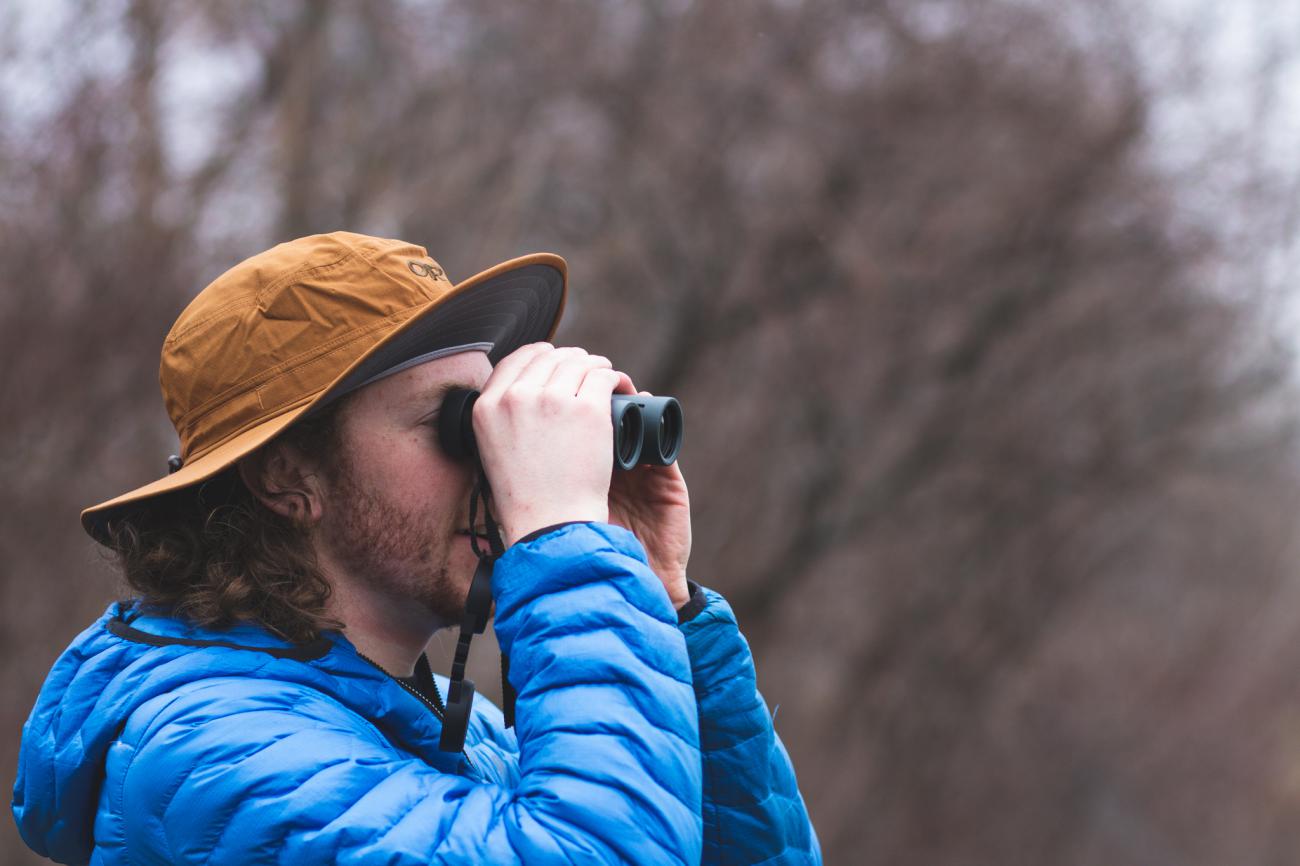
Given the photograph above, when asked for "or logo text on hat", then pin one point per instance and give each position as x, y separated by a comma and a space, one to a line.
424, 269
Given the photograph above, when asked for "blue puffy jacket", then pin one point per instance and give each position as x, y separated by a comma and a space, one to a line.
637, 740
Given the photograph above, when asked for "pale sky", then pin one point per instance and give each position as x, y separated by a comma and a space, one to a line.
1226, 74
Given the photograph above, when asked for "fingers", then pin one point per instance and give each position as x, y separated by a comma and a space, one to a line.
539, 368
626, 387
509, 368
601, 383
559, 370
567, 375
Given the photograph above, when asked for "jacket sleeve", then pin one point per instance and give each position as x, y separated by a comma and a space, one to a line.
753, 811
606, 726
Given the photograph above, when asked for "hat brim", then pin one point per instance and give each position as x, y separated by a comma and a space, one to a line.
519, 301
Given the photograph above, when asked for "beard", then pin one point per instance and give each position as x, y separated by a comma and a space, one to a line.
399, 552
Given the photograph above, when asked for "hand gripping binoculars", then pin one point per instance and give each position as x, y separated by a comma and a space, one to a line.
647, 430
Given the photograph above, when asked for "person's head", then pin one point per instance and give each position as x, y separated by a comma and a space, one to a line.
303, 385
358, 498
388, 514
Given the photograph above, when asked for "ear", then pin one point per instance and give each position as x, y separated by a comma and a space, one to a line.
283, 480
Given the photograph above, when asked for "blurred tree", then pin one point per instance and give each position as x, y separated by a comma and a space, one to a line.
999, 486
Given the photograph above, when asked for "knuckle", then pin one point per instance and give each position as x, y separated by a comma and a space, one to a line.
572, 354
517, 397
596, 410
552, 399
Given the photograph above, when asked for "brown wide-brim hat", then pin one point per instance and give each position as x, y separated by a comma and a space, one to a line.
311, 319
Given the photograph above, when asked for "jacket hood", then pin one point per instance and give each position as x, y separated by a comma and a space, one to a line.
125, 660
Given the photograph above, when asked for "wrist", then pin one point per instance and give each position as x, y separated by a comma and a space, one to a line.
679, 590
531, 521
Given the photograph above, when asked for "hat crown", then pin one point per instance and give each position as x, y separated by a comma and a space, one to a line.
273, 331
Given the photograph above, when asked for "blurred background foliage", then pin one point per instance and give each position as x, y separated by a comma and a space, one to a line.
991, 423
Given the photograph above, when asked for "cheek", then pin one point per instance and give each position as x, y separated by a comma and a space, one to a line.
408, 471
426, 481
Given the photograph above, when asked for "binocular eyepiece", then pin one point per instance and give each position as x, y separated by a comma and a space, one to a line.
647, 430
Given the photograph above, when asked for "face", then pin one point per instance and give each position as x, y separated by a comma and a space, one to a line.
395, 507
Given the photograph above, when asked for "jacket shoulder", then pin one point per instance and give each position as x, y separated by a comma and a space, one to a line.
237, 706
229, 752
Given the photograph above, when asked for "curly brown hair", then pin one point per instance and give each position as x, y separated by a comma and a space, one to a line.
214, 555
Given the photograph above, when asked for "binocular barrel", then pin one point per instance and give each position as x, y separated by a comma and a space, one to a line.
647, 430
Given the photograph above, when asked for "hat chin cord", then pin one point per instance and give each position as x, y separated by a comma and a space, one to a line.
478, 604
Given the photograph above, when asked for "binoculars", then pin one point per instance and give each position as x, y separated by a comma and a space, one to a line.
647, 430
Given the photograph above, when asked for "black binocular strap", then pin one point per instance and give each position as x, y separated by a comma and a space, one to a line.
478, 603
498, 548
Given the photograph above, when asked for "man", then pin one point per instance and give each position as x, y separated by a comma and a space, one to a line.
267, 697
